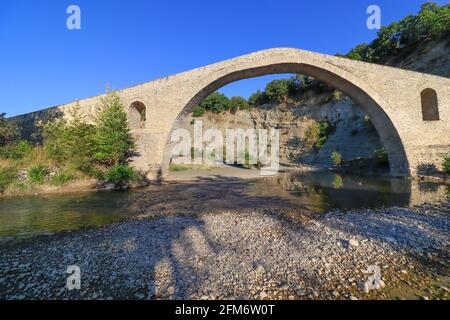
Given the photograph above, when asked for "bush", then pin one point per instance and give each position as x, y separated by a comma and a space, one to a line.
121, 174
62, 178
317, 134
238, 103
70, 142
446, 165
431, 22
256, 98
198, 112
7, 176
216, 102
337, 95
37, 173
277, 90
337, 158
17, 151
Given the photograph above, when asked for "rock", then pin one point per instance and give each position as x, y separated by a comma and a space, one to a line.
260, 269
364, 287
109, 186
353, 243
263, 295
171, 290
301, 292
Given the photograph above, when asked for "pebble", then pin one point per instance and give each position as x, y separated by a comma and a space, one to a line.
245, 255
353, 243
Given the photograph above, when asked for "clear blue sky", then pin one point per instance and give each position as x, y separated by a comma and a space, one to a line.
123, 43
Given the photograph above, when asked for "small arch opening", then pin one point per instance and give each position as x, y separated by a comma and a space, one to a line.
430, 110
137, 115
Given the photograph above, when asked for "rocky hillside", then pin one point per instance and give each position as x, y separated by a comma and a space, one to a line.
431, 56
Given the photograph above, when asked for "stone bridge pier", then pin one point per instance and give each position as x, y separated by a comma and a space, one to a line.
410, 110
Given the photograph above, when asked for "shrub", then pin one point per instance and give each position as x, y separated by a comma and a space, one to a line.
37, 173
256, 98
7, 176
337, 95
198, 112
277, 90
16, 151
70, 142
446, 165
238, 103
121, 174
317, 134
216, 102
62, 178
336, 157
312, 135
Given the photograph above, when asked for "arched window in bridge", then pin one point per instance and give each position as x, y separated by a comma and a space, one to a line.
430, 110
137, 115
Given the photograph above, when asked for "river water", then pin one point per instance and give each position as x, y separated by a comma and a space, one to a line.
23, 217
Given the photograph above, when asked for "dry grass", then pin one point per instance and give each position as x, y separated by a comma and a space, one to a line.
38, 156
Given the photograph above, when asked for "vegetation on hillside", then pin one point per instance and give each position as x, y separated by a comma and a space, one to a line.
77, 149
432, 21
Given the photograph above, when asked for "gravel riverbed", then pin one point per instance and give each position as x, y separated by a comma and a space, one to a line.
240, 254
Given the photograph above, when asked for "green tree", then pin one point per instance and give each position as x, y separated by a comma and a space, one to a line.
238, 103
432, 21
216, 102
256, 98
277, 90
71, 141
114, 143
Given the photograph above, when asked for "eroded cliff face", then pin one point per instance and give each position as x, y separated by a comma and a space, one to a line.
352, 136
428, 56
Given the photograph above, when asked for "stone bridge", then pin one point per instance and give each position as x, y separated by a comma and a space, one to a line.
410, 110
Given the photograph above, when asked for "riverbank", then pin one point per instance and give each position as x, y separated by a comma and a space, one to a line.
240, 254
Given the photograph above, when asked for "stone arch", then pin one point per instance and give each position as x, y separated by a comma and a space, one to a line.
430, 107
360, 92
137, 114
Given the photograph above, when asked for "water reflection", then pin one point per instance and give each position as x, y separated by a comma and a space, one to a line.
311, 192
